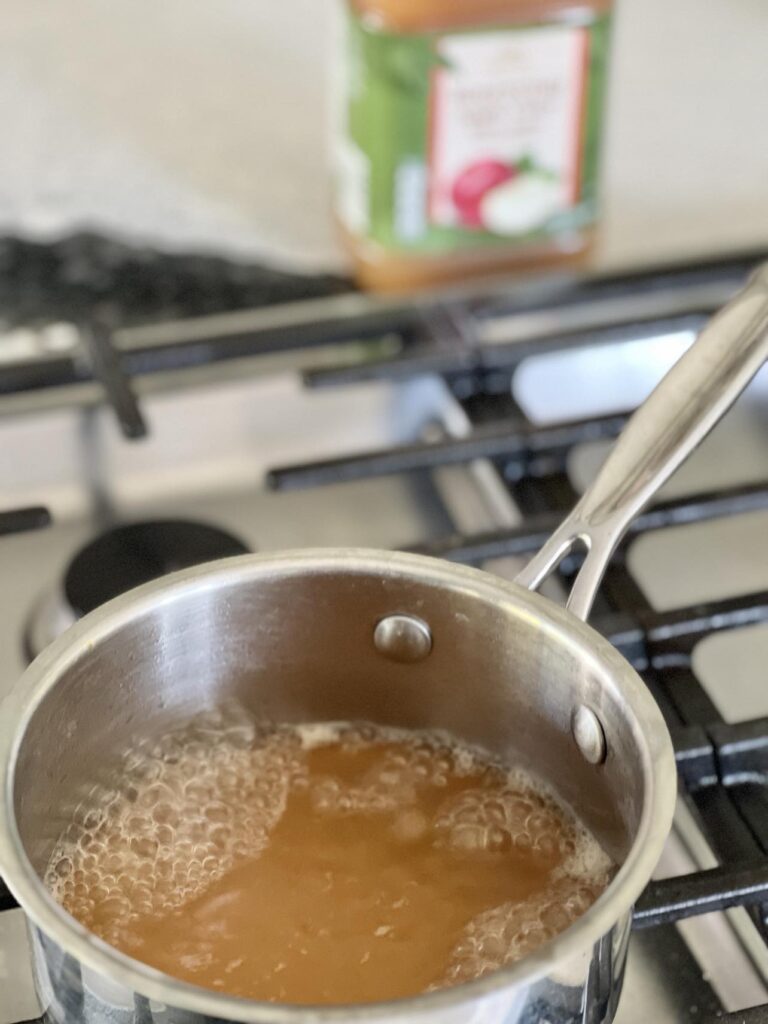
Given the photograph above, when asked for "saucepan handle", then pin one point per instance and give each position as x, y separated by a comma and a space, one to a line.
661, 434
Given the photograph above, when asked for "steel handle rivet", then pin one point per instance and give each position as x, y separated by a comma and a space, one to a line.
588, 734
403, 638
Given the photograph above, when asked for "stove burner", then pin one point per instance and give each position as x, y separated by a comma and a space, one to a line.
118, 560
126, 556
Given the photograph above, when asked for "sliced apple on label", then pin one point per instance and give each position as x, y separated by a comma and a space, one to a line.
474, 182
520, 205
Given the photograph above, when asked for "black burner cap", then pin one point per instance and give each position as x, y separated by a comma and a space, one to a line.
126, 556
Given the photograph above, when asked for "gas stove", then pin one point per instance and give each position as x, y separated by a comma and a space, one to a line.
463, 425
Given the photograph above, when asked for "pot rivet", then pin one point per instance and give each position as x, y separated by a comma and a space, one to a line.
589, 734
403, 638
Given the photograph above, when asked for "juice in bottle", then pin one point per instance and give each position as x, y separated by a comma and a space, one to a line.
468, 137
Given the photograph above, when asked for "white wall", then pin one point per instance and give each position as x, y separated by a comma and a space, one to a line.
202, 123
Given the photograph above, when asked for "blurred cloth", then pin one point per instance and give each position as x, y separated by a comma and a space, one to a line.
203, 125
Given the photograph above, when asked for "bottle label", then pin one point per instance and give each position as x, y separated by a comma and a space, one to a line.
448, 140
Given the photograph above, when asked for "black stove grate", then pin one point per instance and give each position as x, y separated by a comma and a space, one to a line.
723, 767
717, 762
20, 519
757, 1015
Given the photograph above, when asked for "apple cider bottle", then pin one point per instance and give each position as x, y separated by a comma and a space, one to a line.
467, 136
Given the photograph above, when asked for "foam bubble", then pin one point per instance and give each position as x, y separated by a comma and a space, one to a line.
318, 734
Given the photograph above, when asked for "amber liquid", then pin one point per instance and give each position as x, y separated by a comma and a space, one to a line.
379, 866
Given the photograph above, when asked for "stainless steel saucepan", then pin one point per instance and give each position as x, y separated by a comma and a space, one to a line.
394, 639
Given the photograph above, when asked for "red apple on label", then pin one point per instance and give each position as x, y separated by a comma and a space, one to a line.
473, 183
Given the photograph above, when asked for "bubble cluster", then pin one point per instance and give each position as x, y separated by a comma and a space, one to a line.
504, 934
501, 821
397, 775
188, 808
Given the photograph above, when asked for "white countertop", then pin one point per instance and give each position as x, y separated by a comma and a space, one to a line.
190, 124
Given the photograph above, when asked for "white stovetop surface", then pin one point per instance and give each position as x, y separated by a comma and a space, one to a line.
203, 124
